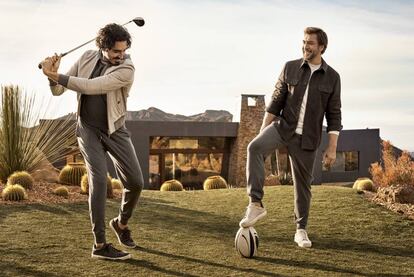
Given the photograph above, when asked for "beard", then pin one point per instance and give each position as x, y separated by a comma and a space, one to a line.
307, 56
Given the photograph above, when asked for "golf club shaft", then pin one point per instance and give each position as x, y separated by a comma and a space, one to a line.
76, 48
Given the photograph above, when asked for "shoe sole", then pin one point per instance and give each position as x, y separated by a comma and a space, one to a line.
304, 245
129, 256
253, 222
119, 239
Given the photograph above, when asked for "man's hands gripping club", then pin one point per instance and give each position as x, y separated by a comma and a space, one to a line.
50, 66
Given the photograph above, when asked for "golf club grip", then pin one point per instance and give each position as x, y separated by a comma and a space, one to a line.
61, 55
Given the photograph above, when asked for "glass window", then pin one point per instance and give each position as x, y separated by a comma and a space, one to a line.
345, 161
192, 169
212, 143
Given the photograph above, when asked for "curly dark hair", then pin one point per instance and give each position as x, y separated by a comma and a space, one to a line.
320, 34
111, 33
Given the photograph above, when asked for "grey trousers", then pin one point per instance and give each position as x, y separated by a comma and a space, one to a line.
93, 145
302, 162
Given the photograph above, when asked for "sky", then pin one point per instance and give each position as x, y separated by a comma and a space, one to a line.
194, 55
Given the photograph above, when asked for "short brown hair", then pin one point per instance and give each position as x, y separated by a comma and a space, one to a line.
320, 34
110, 34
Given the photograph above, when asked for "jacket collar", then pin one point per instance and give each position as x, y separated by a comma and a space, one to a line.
324, 65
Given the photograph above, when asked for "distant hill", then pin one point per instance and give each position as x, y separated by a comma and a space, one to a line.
154, 114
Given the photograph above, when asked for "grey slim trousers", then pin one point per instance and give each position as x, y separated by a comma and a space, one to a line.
302, 162
93, 145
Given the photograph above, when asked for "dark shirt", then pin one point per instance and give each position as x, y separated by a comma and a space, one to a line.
324, 99
93, 109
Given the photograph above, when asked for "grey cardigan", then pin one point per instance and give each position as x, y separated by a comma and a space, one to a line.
116, 83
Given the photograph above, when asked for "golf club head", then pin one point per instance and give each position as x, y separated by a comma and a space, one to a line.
139, 21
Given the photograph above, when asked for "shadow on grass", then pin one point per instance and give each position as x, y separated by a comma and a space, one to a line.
353, 245
151, 266
8, 268
321, 267
206, 263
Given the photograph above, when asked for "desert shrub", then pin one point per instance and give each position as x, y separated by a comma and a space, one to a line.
214, 182
22, 178
116, 184
85, 186
25, 140
61, 191
72, 174
393, 171
14, 193
172, 185
363, 184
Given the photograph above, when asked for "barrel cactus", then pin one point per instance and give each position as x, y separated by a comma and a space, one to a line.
72, 174
214, 182
363, 184
272, 180
61, 191
172, 185
85, 186
116, 184
14, 193
22, 178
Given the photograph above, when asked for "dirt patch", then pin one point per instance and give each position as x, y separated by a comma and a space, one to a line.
42, 192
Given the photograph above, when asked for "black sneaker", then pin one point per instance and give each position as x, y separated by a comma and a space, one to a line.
124, 236
109, 252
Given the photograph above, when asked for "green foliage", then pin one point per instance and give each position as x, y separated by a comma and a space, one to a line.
61, 191
116, 184
363, 184
85, 186
172, 185
22, 178
14, 193
214, 182
26, 140
72, 174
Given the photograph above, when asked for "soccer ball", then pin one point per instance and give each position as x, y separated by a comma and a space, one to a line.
246, 242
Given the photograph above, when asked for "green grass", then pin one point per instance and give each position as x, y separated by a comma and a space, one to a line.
192, 233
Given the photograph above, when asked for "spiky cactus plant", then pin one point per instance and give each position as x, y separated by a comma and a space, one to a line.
61, 191
14, 193
363, 184
172, 185
85, 186
214, 182
72, 174
22, 178
116, 184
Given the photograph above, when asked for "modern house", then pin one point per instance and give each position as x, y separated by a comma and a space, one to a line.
190, 151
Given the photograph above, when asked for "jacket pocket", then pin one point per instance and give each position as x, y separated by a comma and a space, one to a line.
291, 84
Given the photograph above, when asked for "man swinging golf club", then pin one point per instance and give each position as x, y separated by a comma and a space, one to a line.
102, 80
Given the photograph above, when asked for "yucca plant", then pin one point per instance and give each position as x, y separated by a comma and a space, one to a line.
25, 139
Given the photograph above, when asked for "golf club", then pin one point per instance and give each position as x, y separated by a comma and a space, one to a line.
139, 21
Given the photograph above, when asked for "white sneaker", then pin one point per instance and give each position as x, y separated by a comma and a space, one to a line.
301, 238
253, 214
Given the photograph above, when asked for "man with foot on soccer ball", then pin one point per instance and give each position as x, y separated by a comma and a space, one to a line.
307, 90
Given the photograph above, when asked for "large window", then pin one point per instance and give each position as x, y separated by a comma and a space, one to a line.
345, 161
187, 159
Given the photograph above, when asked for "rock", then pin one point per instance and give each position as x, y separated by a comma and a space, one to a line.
46, 172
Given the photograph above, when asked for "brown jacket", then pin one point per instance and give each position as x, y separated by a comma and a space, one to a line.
324, 99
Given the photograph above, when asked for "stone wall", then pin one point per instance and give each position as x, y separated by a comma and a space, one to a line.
251, 117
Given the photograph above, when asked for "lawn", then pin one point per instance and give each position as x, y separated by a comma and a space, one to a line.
191, 233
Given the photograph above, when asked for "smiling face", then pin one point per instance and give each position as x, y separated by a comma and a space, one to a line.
116, 54
311, 49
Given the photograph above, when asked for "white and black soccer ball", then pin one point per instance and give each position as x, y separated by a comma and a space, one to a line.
247, 242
